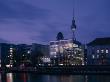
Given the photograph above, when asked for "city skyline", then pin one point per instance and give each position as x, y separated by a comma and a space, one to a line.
35, 21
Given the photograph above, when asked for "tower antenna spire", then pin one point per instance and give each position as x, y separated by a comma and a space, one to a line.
73, 8
73, 26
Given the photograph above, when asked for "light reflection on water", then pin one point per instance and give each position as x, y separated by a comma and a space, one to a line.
9, 77
0, 76
26, 77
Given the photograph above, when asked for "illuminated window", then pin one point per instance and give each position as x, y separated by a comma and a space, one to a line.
106, 51
93, 56
53, 53
61, 50
70, 45
11, 53
102, 51
56, 49
97, 56
75, 45
11, 50
97, 51
28, 52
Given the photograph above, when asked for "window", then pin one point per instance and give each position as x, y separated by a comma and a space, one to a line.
97, 51
97, 56
102, 51
93, 56
106, 51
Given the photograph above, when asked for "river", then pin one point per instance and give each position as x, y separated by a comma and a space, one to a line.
31, 77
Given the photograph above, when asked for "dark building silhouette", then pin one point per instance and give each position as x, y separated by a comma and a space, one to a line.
60, 36
38, 51
8, 54
98, 51
23, 53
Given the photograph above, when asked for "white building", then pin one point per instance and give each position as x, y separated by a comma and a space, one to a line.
67, 51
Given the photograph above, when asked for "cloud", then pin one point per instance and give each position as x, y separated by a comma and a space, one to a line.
13, 9
41, 20
3, 41
92, 19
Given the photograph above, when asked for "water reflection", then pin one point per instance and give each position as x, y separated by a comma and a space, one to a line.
0, 77
9, 77
26, 77
99, 78
62, 78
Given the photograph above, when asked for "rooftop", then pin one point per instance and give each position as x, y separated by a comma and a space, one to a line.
100, 41
64, 41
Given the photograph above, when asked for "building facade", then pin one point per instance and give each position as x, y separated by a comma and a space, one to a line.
23, 55
7, 52
67, 52
38, 51
98, 52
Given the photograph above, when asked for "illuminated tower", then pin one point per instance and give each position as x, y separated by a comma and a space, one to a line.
73, 26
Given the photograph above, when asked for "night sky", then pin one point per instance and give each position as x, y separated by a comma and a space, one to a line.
39, 21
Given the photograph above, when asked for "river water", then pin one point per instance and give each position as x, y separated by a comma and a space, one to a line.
31, 77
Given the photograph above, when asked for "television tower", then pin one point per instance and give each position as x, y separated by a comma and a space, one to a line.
73, 26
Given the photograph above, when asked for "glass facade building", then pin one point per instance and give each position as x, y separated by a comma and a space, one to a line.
67, 52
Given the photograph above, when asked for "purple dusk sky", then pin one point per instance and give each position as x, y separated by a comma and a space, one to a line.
39, 21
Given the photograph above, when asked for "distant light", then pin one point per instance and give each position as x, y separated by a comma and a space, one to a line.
48, 64
29, 52
97, 56
97, 51
11, 51
10, 55
11, 65
82, 63
70, 45
106, 51
73, 29
8, 66
81, 58
45, 59
93, 56
61, 64
55, 56
102, 51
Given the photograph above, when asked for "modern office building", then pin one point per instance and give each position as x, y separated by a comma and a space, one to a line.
7, 52
44, 49
98, 52
67, 52
23, 55
38, 51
